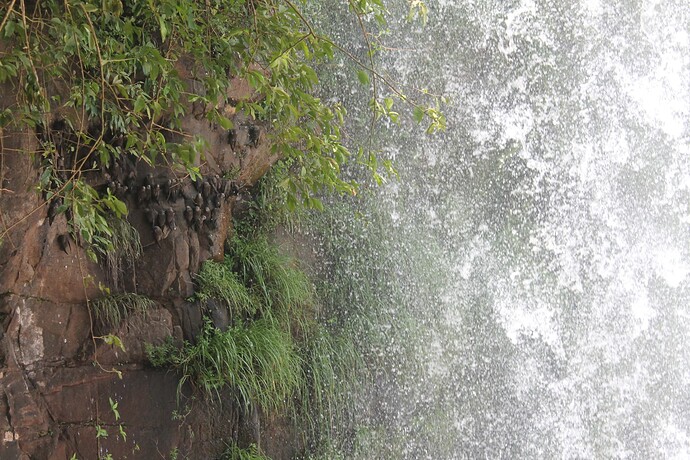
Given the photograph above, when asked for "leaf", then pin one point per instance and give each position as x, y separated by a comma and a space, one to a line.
140, 103
113, 340
225, 122
418, 114
363, 77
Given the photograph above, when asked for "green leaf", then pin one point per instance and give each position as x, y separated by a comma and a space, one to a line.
418, 114
113, 340
363, 77
225, 122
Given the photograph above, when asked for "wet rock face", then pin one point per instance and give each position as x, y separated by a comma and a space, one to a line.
56, 383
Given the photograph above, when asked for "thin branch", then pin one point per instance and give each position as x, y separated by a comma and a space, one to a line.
10, 8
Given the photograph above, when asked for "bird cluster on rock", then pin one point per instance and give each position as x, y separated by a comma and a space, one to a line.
203, 206
162, 221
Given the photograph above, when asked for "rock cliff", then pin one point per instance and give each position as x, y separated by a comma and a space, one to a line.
60, 384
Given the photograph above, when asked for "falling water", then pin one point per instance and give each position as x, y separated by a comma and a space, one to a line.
524, 284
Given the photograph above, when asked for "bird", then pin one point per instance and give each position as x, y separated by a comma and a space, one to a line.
170, 218
160, 221
156, 192
205, 190
188, 215
65, 242
142, 195
53, 209
157, 234
220, 199
198, 199
253, 136
152, 216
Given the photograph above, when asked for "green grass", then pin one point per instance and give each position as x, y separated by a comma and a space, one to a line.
236, 453
270, 275
258, 361
110, 310
218, 281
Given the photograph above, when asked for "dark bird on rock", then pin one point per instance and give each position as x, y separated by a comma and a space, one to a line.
232, 139
253, 136
206, 190
198, 199
141, 195
170, 218
220, 199
157, 234
199, 223
65, 242
215, 182
156, 192
160, 221
53, 208
131, 180
152, 216
188, 215
148, 180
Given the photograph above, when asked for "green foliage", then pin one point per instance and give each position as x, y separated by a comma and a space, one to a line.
218, 281
258, 361
233, 452
270, 275
116, 75
112, 309
255, 277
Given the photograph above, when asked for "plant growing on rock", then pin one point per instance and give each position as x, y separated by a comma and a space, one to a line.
102, 81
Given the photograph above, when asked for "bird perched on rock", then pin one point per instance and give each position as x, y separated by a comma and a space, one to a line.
65, 242
253, 136
152, 216
198, 199
142, 195
156, 192
206, 190
157, 234
53, 208
160, 221
189, 215
170, 218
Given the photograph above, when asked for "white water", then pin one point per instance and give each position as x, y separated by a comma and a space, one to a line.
537, 254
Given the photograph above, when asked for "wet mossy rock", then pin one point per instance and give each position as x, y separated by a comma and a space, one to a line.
53, 395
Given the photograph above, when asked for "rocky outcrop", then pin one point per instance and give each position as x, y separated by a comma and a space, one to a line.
60, 386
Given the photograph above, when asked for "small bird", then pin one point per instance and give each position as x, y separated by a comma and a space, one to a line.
152, 216
65, 242
141, 195
220, 199
156, 192
170, 218
160, 221
157, 234
53, 208
188, 215
253, 136
232, 139
199, 199
206, 190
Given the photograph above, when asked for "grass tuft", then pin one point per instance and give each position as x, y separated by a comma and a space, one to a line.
233, 452
112, 309
258, 361
126, 250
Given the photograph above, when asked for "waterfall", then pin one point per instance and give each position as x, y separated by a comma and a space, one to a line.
522, 290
